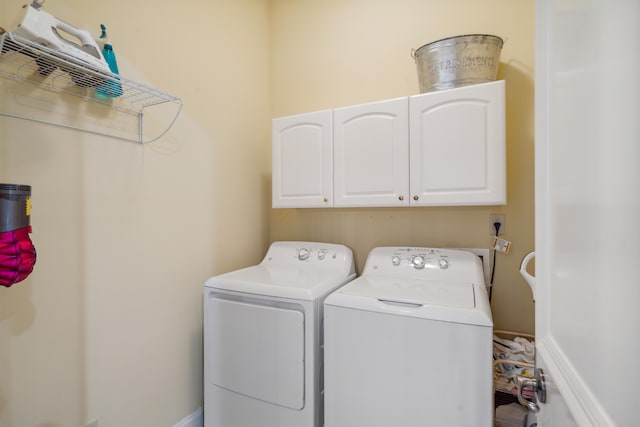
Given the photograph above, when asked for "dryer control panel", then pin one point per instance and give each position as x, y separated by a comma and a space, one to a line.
327, 256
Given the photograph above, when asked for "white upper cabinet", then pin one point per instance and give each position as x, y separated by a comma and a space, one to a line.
457, 146
303, 160
371, 148
444, 148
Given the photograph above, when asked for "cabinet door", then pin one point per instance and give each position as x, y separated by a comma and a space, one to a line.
457, 146
371, 143
303, 160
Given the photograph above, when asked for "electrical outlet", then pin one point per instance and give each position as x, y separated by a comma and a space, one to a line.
493, 218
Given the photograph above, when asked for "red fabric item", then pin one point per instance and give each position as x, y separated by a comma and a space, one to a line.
17, 256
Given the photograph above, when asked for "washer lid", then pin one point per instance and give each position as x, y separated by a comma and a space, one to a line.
304, 283
412, 291
449, 301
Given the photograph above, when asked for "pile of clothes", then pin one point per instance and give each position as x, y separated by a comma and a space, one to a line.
512, 358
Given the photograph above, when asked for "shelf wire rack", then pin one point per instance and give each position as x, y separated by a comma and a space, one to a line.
30, 62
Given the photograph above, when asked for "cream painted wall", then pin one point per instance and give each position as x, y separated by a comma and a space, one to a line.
108, 328
342, 52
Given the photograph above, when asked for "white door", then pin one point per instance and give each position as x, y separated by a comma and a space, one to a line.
587, 287
457, 146
256, 351
371, 154
303, 160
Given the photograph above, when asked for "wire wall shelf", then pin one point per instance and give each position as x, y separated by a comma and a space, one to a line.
59, 73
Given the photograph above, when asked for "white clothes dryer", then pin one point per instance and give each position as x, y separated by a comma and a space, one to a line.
263, 337
409, 342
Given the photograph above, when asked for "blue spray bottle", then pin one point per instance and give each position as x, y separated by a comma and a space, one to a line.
111, 88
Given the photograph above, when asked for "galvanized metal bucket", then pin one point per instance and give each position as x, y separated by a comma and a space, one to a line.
457, 61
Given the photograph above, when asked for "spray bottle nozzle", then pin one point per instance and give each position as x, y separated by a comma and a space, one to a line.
103, 34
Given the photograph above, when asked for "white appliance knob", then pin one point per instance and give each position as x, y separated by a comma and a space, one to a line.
418, 262
444, 264
322, 254
395, 260
303, 254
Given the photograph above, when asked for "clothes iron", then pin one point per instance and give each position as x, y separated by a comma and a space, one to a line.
46, 30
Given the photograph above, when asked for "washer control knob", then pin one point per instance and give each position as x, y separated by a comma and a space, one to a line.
395, 260
303, 254
322, 254
444, 263
418, 261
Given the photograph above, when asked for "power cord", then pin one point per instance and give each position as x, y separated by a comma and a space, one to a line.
496, 225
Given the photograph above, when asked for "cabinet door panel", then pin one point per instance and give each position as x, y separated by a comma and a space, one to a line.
453, 146
457, 148
371, 154
302, 160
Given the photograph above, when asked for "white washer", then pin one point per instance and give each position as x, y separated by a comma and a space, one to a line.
263, 337
409, 342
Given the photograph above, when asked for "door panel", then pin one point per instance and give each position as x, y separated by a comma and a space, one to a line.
303, 160
256, 351
457, 146
371, 154
450, 143
587, 208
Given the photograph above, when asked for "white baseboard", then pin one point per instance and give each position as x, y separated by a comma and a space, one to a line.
193, 420
583, 404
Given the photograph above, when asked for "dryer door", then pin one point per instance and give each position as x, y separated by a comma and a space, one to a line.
256, 350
